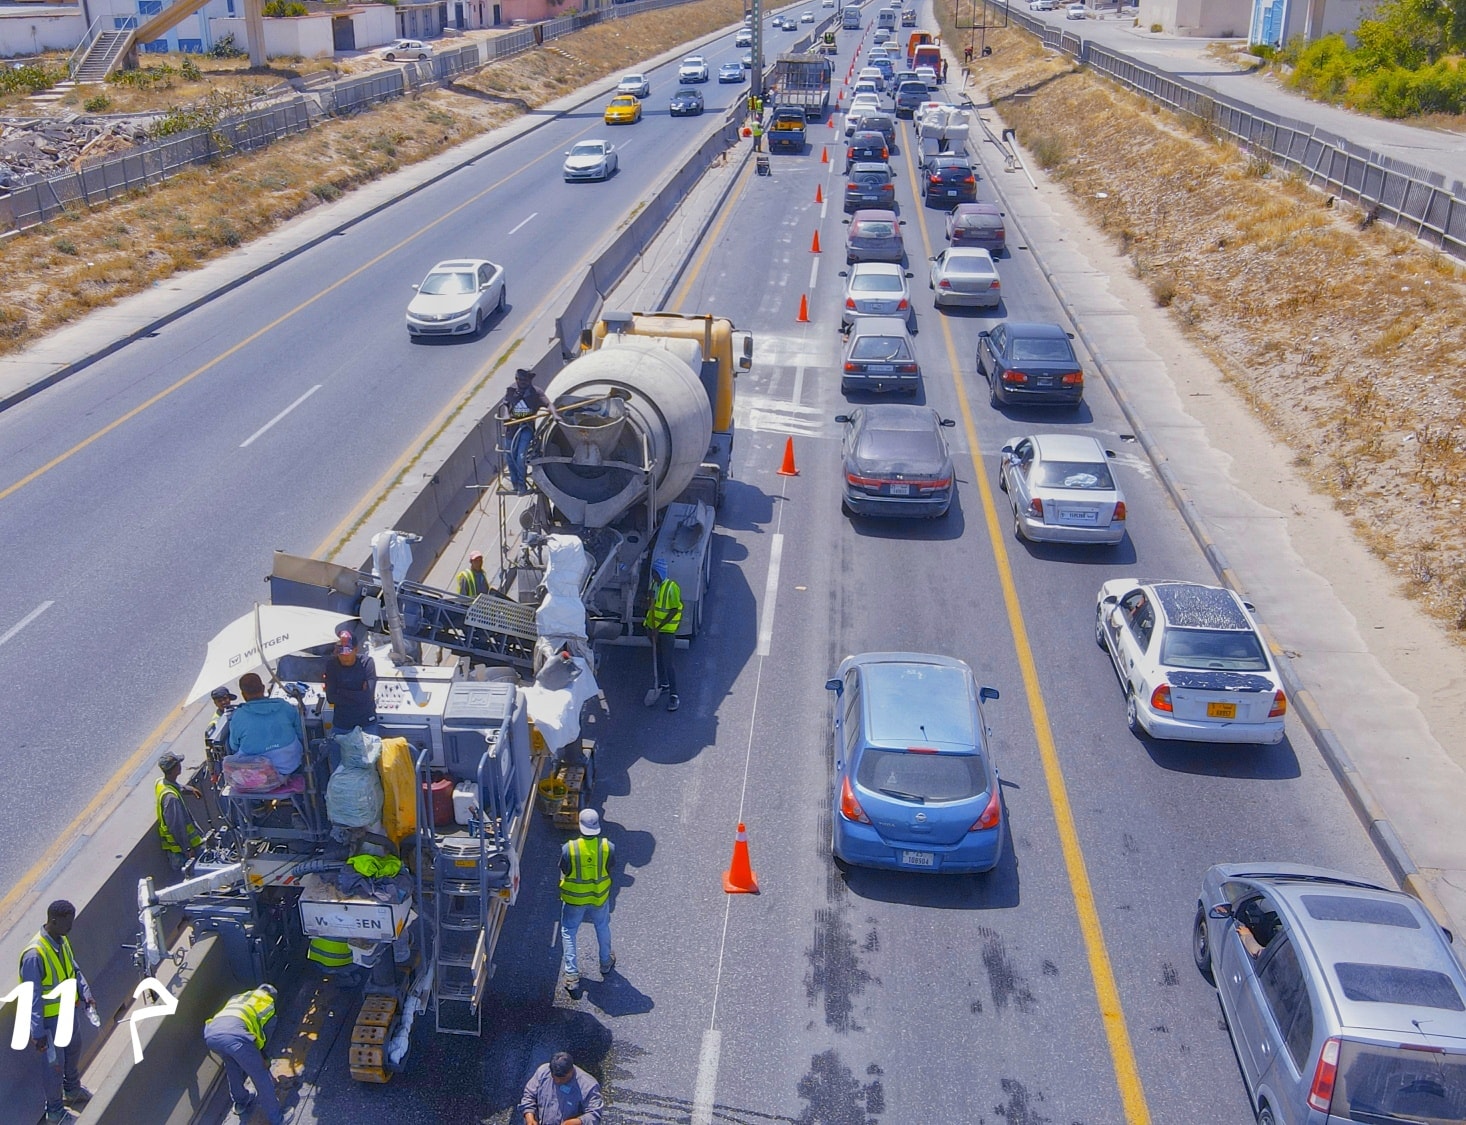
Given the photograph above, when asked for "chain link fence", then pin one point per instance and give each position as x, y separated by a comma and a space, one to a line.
1402, 194
43, 198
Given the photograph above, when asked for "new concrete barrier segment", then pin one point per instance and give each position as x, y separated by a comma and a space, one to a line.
431, 498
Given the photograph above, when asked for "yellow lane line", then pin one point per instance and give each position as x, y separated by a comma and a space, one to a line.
1107, 992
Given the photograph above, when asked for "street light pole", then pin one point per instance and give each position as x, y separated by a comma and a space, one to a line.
756, 80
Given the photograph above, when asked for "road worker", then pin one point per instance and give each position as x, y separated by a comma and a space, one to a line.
237, 1034
45, 963
177, 831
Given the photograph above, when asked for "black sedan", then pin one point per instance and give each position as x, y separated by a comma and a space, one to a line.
896, 461
866, 146
947, 180
1025, 362
686, 102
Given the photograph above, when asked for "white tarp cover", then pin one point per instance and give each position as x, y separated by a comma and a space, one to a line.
556, 712
562, 613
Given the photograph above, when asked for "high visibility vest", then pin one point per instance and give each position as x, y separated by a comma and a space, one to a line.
254, 1009
472, 583
665, 612
160, 790
329, 952
55, 968
589, 881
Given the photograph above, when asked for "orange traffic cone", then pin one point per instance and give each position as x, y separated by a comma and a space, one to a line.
824, 156
787, 469
739, 878
819, 194
803, 317
814, 247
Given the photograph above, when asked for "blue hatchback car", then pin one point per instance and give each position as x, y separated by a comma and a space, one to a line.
915, 786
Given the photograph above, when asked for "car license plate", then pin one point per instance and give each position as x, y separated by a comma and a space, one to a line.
1044, 381
900, 490
951, 191
1078, 515
1221, 710
918, 859
881, 368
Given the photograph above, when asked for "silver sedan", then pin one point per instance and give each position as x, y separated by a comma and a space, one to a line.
876, 289
456, 298
1061, 489
965, 275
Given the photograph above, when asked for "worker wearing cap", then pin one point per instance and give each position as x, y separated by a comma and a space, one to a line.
177, 831
663, 619
520, 404
560, 1093
44, 964
218, 729
471, 580
351, 686
585, 894
237, 1034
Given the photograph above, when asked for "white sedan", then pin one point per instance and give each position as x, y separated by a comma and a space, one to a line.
404, 49
1077, 12
591, 160
1061, 489
637, 84
965, 275
456, 298
694, 68
1191, 662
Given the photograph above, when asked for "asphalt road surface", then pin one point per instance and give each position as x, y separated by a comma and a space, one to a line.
1057, 990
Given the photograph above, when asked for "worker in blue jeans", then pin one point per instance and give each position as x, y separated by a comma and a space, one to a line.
237, 1034
585, 895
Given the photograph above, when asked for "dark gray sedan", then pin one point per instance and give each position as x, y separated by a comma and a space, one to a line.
1025, 362
870, 186
896, 461
879, 356
978, 224
686, 102
874, 236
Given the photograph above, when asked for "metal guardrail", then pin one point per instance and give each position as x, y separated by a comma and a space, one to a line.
1405, 195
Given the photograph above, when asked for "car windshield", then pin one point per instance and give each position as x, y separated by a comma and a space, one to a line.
880, 349
445, 284
586, 148
875, 283
1378, 1083
1038, 349
922, 778
1230, 649
874, 228
961, 263
1089, 475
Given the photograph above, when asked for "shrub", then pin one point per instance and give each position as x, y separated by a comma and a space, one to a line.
190, 70
225, 48
30, 79
284, 9
101, 103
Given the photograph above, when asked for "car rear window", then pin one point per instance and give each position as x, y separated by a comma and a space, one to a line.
881, 348
876, 283
910, 446
923, 778
978, 221
1337, 908
960, 263
874, 228
1397, 984
1376, 1083
1230, 650
1091, 475
1035, 349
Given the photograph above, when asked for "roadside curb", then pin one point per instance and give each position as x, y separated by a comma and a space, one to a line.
1361, 798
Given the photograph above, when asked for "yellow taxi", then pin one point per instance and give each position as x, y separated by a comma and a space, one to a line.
625, 109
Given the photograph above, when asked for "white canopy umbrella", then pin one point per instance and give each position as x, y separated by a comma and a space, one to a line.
265, 633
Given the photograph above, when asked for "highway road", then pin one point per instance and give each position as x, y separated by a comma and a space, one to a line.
1056, 990
141, 499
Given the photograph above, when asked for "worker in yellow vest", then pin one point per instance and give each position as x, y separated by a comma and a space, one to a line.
471, 581
177, 833
332, 955
585, 895
237, 1034
45, 963
663, 619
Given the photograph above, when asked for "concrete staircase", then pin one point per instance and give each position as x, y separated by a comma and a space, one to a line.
103, 56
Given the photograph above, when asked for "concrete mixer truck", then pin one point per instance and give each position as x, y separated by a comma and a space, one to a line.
633, 457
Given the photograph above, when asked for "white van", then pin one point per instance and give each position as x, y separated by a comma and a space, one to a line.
886, 18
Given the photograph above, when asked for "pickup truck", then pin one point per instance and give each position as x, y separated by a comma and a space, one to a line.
786, 129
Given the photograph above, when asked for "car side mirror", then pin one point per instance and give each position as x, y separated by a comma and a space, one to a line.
984, 334
844, 419
837, 686
949, 421
1220, 910
412, 287
844, 273
910, 274
567, 152
1111, 453
845, 222
1006, 451
1069, 334
900, 222
987, 693
1249, 607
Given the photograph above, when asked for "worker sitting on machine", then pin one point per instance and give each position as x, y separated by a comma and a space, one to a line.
264, 727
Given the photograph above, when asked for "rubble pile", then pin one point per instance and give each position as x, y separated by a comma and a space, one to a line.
47, 146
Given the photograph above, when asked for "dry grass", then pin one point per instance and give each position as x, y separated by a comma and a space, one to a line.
91, 257
1346, 342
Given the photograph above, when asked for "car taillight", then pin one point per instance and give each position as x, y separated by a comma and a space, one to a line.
906, 368
851, 366
1015, 377
852, 187
1321, 1094
903, 303
936, 179
996, 284
885, 154
1160, 699
1000, 233
1036, 508
969, 180
935, 485
1073, 379
944, 284
859, 481
849, 302
1119, 516
991, 815
1280, 705
849, 807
